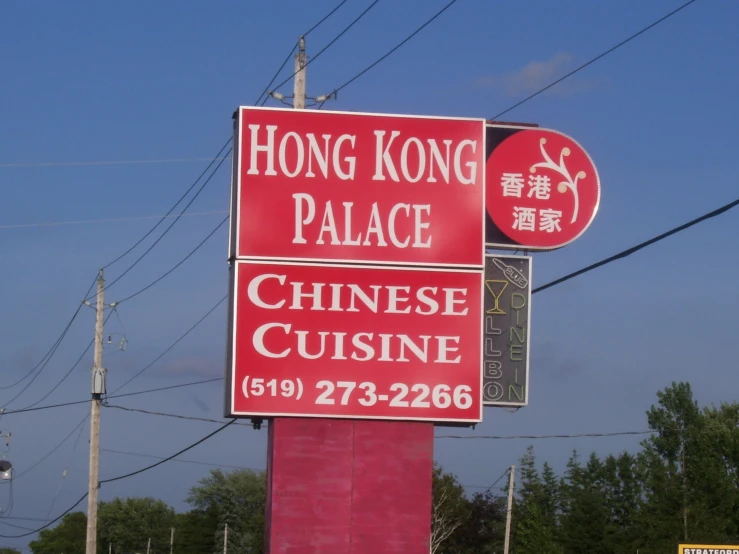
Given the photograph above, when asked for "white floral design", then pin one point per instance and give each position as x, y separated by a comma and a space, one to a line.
569, 182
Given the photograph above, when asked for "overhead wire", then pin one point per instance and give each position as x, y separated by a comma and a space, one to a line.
174, 206
165, 414
104, 220
126, 476
171, 346
337, 37
595, 59
197, 462
178, 264
629, 251
50, 353
118, 162
64, 474
48, 454
397, 46
164, 233
295, 46
168, 458
70, 370
87, 400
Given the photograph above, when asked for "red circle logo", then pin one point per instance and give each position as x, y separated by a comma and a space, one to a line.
542, 189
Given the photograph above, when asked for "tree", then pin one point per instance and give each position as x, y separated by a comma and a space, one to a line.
68, 536
584, 517
690, 471
449, 509
128, 524
482, 531
535, 511
196, 531
9, 551
236, 498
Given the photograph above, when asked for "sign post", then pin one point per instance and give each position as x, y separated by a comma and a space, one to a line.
357, 259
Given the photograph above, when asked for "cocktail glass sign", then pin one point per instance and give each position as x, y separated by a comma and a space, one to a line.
506, 334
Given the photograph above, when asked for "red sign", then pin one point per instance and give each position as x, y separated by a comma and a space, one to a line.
349, 187
355, 342
542, 188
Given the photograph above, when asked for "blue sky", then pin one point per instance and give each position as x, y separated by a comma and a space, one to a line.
87, 82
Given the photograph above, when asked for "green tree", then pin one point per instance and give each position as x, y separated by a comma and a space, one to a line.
236, 498
68, 536
690, 472
585, 516
9, 551
449, 511
128, 524
483, 528
196, 531
536, 508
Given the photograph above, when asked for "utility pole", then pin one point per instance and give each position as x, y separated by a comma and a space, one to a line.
98, 389
148, 546
225, 539
171, 541
299, 82
509, 511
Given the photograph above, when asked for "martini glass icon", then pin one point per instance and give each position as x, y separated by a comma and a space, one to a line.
496, 288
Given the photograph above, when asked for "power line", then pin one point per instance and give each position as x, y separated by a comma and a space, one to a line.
165, 414
400, 44
48, 454
182, 261
164, 233
171, 346
178, 460
126, 476
180, 199
506, 472
580, 435
640, 246
586, 64
165, 460
69, 371
287, 59
325, 17
337, 37
536, 437
119, 162
105, 220
87, 400
51, 350
52, 522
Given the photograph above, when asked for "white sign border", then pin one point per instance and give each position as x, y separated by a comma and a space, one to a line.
236, 192
231, 354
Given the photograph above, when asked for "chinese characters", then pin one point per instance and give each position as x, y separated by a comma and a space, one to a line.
525, 217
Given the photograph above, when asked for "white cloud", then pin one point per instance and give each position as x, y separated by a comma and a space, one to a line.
536, 75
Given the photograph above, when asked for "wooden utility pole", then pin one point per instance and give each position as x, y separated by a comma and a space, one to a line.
98, 389
225, 539
299, 82
509, 511
171, 541
148, 546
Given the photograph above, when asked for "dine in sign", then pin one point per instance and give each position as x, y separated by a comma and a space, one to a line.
357, 249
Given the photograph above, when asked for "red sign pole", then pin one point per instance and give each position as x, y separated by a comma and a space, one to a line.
356, 316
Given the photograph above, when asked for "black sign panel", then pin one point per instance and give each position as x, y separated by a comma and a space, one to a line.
506, 327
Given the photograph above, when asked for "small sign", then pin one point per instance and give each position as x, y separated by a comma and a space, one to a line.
506, 340
333, 340
707, 549
543, 189
321, 186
